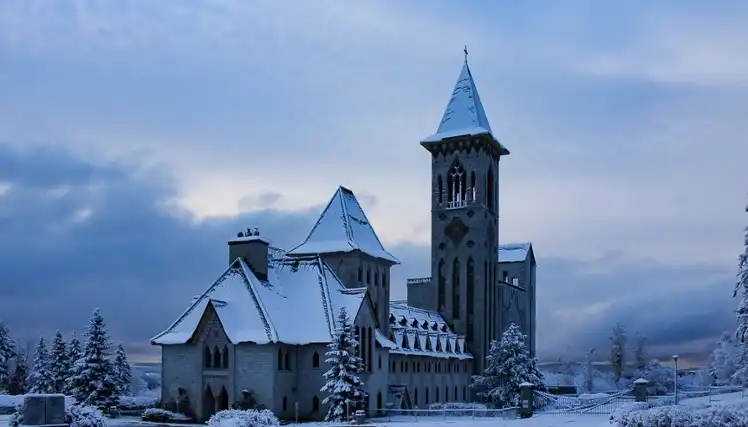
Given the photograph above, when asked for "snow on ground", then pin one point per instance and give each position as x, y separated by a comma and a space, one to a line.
717, 398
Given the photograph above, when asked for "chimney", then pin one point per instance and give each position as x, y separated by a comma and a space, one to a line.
253, 249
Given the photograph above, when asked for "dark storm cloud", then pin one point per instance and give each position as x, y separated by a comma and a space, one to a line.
75, 235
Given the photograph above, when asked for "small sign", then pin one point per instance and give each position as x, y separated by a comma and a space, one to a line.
525, 404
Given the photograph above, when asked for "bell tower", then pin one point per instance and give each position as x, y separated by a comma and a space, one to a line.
464, 215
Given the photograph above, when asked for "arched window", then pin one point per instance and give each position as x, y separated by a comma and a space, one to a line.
368, 275
455, 395
315, 360
384, 280
427, 396
464, 393
216, 358
376, 278
369, 353
456, 289
364, 356
415, 395
456, 184
379, 363
471, 189
439, 191
225, 357
287, 361
379, 400
360, 274
442, 283
280, 360
490, 196
285, 403
207, 357
470, 292
436, 394
315, 404
358, 338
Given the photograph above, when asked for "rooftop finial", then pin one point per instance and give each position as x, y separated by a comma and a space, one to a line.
466, 53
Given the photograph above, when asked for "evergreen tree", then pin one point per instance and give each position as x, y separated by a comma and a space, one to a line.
7, 351
74, 354
40, 377
640, 352
343, 382
122, 372
58, 364
93, 382
741, 333
661, 378
723, 360
589, 371
617, 352
508, 364
18, 379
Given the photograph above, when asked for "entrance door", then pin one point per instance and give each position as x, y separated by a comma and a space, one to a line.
223, 399
209, 404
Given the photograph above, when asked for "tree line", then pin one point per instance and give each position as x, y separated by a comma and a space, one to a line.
88, 372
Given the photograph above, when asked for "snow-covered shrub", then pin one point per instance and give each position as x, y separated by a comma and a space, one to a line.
239, 418
714, 415
81, 416
85, 416
138, 402
161, 415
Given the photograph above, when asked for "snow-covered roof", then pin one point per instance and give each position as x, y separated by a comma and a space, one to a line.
464, 115
343, 227
514, 252
297, 304
422, 332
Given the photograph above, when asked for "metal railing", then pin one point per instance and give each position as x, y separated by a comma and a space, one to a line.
414, 415
599, 404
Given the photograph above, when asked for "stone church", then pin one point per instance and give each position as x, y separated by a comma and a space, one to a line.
262, 327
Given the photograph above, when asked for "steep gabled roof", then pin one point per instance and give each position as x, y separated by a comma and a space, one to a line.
343, 227
515, 252
464, 115
297, 304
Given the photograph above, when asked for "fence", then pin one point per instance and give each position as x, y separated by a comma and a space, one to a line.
414, 415
593, 404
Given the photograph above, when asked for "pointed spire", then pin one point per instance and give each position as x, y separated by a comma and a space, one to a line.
343, 227
464, 115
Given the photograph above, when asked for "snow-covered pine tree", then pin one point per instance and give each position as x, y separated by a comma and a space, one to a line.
58, 364
122, 372
589, 371
343, 381
569, 368
40, 377
7, 351
74, 354
723, 360
661, 378
18, 379
741, 333
508, 364
92, 382
617, 352
639, 351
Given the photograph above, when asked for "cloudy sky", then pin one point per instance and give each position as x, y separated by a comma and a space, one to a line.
137, 136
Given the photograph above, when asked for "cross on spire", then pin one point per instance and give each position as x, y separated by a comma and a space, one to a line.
466, 53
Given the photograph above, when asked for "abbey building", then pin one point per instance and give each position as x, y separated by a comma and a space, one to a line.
263, 326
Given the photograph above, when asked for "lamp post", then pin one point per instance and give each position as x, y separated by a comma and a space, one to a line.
675, 379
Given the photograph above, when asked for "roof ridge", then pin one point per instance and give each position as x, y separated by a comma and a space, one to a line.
346, 216
264, 315
326, 299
